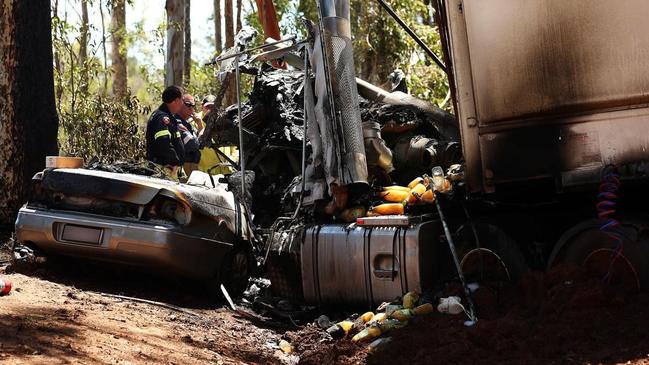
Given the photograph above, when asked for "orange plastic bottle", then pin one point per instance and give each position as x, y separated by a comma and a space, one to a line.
388, 209
394, 196
428, 196
417, 180
396, 187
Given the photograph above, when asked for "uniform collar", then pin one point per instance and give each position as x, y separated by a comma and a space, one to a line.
164, 108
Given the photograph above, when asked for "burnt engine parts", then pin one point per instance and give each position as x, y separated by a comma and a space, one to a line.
420, 152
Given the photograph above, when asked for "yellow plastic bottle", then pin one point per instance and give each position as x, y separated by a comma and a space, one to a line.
388, 208
409, 299
428, 196
415, 193
346, 326
285, 346
396, 187
423, 309
402, 314
417, 180
394, 196
390, 324
367, 316
367, 334
378, 318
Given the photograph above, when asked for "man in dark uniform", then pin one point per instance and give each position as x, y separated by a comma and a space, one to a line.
188, 134
163, 142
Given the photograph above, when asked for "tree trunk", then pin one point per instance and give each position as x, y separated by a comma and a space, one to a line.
175, 23
83, 48
103, 46
28, 116
231, 92
218, 40
118, 49
229, 24
187, 56
57, 60
239, 15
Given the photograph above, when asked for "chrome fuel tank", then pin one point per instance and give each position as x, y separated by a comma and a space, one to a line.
368, 265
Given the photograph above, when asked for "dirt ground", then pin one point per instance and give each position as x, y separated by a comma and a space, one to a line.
66, 311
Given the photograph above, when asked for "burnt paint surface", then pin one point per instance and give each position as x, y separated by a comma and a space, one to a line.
542, 150
538, 57
557, 86
92, 185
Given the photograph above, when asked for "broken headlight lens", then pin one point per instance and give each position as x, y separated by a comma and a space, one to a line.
170, 210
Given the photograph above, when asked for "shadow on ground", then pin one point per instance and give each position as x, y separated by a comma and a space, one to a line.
42, 331
122, 280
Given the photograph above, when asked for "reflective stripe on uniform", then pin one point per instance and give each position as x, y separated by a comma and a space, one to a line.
177, 134
162, 133
187, 138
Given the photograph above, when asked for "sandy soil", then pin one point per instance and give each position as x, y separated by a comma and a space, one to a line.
48, 319
65, 312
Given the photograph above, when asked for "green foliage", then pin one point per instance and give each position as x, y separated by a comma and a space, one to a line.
100, 127
380, 45
92, 123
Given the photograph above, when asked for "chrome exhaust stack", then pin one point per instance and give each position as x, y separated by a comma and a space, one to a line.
333, 63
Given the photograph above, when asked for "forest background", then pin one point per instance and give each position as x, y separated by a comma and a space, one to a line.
112, 58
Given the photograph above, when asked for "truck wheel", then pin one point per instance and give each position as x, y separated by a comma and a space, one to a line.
585, 244
496, 247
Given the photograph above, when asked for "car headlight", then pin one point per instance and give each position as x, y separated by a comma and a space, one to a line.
170, 210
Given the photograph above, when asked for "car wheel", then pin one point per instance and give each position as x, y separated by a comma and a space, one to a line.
236, 270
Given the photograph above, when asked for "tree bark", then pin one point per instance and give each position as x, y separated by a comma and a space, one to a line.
229, 24
175, 23
57, 60
239, 5
83, 48
187, 55
218, 40
28, 118
103, 46
118, 49
231, 92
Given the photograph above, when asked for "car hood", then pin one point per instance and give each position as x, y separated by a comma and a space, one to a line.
216, 203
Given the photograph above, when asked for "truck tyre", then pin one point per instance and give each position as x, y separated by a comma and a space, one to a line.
497, 241
576, 244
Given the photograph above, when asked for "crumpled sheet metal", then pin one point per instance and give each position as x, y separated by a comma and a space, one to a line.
216, 203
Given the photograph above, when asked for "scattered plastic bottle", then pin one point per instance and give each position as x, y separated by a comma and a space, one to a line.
367, 334
5, 287
390, 324
409, 299
402, 314
367, 316
378, 343
285, 346
391, 308
340, 329
450, 305
423, 309
378, 318
346, 326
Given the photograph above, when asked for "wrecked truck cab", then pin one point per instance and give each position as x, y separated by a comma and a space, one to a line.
196, 231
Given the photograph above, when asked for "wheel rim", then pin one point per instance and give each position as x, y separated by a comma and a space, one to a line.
613, 267
484, 264
238, 272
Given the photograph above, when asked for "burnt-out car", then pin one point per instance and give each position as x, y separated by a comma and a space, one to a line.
197, 230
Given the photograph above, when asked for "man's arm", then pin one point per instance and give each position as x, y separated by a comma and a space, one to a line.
162, 146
